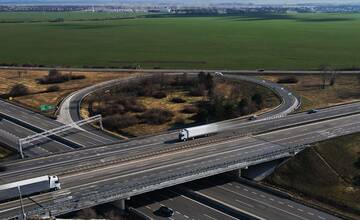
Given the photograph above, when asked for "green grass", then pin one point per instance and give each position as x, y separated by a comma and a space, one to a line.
310, 176
14, 17
303, 41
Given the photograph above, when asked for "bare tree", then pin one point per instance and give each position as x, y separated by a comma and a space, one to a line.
325, 70
333, 78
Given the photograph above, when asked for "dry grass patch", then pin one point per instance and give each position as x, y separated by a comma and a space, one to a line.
309, 87
331, 183
38, 92
167, 104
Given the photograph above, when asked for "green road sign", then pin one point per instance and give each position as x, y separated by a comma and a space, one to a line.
46, 107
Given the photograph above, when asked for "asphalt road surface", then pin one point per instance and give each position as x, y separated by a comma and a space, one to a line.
132, 176
184, 207
257, 202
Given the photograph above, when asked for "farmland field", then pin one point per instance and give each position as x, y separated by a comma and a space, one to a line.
23, 17
289, 41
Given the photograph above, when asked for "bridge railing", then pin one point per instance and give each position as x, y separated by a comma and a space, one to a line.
137, 186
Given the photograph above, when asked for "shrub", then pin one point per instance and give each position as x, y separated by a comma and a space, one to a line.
177, 100
18, 90
288, 79
116, 122
356, 180
179, 120
53, 88
156, 116
77, 77
198, 91
55, 76
190, 109
159, 95
357, 163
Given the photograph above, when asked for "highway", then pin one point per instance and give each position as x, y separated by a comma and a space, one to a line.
258, 203
147, 145
109, 169
122, 180
11, 132
29, 120
184, 207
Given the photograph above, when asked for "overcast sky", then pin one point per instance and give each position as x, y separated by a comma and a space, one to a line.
182, 1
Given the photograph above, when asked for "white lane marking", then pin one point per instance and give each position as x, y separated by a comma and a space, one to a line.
244, 203
186, 216
300, 210
310, 213
320, 217
201, 204
263, 203
208, 216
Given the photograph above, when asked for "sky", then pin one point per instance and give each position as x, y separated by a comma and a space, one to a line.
181, 1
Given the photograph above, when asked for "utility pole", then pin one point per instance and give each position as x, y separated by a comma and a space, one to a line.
21, 204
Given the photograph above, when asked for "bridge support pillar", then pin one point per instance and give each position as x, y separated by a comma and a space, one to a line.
236, 174
261, 171
120, 204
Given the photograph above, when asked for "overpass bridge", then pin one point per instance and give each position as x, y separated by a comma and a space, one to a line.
121, 180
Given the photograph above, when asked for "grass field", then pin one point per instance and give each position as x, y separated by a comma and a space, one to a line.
308, 175
309, 88
297, 41
24, 17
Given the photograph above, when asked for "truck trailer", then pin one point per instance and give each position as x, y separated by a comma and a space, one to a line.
198, 131
29, 187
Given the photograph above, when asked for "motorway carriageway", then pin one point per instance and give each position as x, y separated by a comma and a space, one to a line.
125, 176
11, 132
258, 203
85, 157
231, 198
185, 208
245, 127
42, 123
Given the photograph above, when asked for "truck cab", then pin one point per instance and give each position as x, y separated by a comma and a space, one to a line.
183, 135
54, 183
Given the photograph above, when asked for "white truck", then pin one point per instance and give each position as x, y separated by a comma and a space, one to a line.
198, 131
29, 187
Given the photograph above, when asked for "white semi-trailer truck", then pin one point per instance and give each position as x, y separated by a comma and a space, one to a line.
198, 131
29, 187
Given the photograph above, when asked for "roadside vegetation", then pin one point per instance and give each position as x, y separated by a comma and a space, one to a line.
244, 41
159, 103
3, 154
328, 173
321, 90
35, 88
